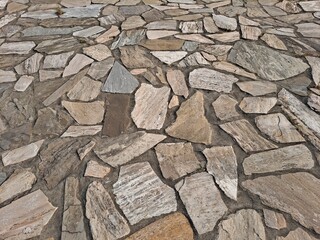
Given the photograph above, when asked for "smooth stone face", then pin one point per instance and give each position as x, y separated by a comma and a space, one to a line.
284, 66
309, 29
23, 83
89, 32
257, 104
225, 37
135, 57
151, 105
225, 22
85, 113
278, 128
56, 61
59, 45
30, 66
120, 80
176, 159
17, 47
141, 194
85, 90
246, 136
191, 123
177, 82
169, 57
315, 65
82, 12
257, 88
297, 234
244, 224
310, 6
161, 44
97, 170
98, 70
202, 200
79, 131
209, 79
222, 164
78, 62
225, 107
122, 149
287, 192
195, 59
229, 67
98, 52
99, 204
274, 220
173, 226
130, 37
7, 76
298, 85
273, 41
132, 22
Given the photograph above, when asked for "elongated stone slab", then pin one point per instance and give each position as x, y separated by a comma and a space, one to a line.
257, 88
257, 104
59, 45
169, 57
141, 194
78, 62
294, 193
82, 12
297, 234
79, 131
17, 47
122, 149
41, 31
225, 107
274, 219
246, 136
202, 200
25, 218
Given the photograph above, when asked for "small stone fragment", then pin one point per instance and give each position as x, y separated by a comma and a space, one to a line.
225, 107
257, 88
83, 151
296, 235
273, 41
257, 104
169, 57
225, 22
23, 83
96, 170
274, 220
57, 61
85, 90
78, 62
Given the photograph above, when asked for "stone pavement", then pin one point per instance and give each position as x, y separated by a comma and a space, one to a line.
160, 119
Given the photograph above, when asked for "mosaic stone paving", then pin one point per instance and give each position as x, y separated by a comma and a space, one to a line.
160, 119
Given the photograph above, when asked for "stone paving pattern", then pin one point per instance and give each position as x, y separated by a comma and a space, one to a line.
160, 119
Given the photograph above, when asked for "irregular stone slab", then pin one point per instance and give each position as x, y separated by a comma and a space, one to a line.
191, 27
98, 70
82, 12
257, 104
246, 136
133, 10
297, 234
284, 66
30, 66
19, 182
3, 4
274, 220
224, 22
45, 75
273, 41
156, 34
88, 32
79, 131
251, 33
169, 57
135, 57
108, 35
97, 170
41, 31
7, 19
176, 159
56, 61
161, 44
120, 150
72, 221
298, 85
78, 62
195, 59
85, 113
72, 3
132, 22
222, 164
202, 200
195, 38
292, 157
141, 194
163, 24
314, 102
120, 80
17, 47
7, 76
293, 193
11, 60
151, 105
244, 224
60, 45
99, 205
278, 128
177, 82
225, 107
117, 122
173, 226
83, 151
209, 79
225, 37
85, 90
131, 37
309, 29
114, 18
310, 6
98, 52
315, 65
41, 14
229, 67
191, 123
25, 218
21, 154
257, 88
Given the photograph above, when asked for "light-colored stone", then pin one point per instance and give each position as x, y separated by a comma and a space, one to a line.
79, 131
195, 59
257, 104
273, 41
108, 35
97, 170
7, 76
92, 10
225, 22
30, 65
177, 82
84, 151
257, 88
156, 34
45, 75
274, 220
56, 61
85, 90
78, 62
17, 47
251, 33
297, 234
169, 57
314, 62
225, 107
310, 6
225, 37
132, 22
194, 38
229, 67
77, 3
98, 52
23, 83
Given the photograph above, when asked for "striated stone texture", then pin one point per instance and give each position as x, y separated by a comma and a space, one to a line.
225, 107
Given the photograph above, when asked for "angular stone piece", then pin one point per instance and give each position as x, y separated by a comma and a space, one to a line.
19, 182
274, 220
292, 157
176, 159
85, 90
30, 66
173, 226
161, 44
244, 224
83, 151
191, 27
225, 107
122, 149
17, 47
25, 218
7, 76
209, 79
273, 41
98, 52
120, 80
202, 200
78, 62
315, 65
177, 82
309, 29
257, 104
23, 83
225, 37
79, 131
89, 32
151, 105
225, 22
251, 33
85, 113
56, 61
97, 170
92, 10
246, 136
77, 3
298, 85
132, 22
169, 57
45, 75
278, 128
222, 164
21, 154
195, 59
297, 234
135, 57
310, 6
105, 220
293, 193
99, 70
191, 123
141, 194
257, 88
41, 31
229, 67
130, 37
284, 66
58, 45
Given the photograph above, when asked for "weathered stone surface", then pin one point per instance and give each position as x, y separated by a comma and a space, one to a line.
57, 61
45, 75
85, 113
151, 106
161, 44
122, 149
41, 31
257, 88
98, 52
21, 154
202, 200
85, 90
78, 62
251, 33
191, 123
297, 234
59, 45
89, 32
292, 157
17, 47
191, 27
194, 37
257, 104
176, 159
195, 59
79, 131
315, 65
23, 83
108, 35
298, 85
83, 151
97, 170
82, 12
132, 22
141, 194
105, 220
314, 102
229, 67
309, 29
135, 57
7, 76
209, 79
246, 136
278, 128
225, 107
284, 66
19, 182
169, 57
25, 218
273, 41
177, 82
274, 220
310, 6
130, 37
244, 224
30, 66
222, 164
293, 193
225, 22
120, 80
72, 3
225, 37
60, 22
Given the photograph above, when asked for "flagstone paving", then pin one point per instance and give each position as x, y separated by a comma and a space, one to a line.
159, 119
